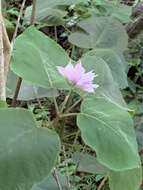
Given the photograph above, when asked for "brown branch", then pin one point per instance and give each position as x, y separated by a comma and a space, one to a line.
33, 15
18, 85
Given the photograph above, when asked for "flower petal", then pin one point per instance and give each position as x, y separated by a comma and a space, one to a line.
78, 76
69, 72
89, 76
79, 72
89, 87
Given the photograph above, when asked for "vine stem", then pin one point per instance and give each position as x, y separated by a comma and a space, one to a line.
33, 18
102, 182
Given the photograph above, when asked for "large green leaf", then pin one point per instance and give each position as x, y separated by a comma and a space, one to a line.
35, 58
100, 32
108, 129
107, 85
116, 63
27, 153
127, 180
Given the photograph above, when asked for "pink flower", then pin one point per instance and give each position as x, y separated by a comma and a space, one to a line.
76, 74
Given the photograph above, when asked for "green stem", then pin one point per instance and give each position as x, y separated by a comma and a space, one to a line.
56, 106
68, 115
66, 101
76, 103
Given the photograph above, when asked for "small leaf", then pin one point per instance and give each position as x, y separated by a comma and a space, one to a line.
89, 164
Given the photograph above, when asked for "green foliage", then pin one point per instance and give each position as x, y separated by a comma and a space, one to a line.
101, 121
28, 153
100, 33
108, 39
107, 86
116, 62
39, 55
